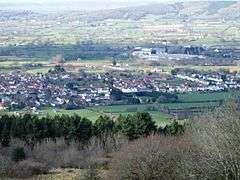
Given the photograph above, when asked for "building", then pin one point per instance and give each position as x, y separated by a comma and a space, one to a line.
2, 106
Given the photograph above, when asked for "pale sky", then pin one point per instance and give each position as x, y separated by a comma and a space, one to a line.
106, 1
44, 1
56, 5
72, 4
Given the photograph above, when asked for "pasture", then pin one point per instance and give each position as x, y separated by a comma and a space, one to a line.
162, 113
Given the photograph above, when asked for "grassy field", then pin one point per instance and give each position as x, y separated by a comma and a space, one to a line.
94, 112
92, 115
204, 101
62, 174
8, 64
128, 31
211, 68
204, 97
12, 63
59, 174
168, 69
42, 70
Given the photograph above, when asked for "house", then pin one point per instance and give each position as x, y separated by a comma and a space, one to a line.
2, 106
158, 51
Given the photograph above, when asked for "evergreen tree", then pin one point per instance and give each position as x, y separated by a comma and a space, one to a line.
103, 128
18, 154
174, 129
5, 137
136, 125
114, 62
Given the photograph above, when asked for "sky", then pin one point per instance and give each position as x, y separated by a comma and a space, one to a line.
44, 1
61, 1
56, 5
71, 4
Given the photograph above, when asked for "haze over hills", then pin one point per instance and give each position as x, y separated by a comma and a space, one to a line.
208, 9
76, 5
132, 10
208, 22
70, 5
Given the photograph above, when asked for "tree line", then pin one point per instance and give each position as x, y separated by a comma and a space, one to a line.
32, 128
80, 50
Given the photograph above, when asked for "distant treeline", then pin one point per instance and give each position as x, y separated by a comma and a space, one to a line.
84, 50
144, 97
95, 51
32, 129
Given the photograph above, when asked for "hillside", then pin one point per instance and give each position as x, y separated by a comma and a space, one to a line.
195, 9
199, 9
199, 23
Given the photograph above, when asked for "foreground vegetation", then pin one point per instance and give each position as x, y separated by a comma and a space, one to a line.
23, 137
130, 148
33, 129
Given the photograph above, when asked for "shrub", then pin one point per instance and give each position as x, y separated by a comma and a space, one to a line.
28, 168
92, 173
5, 164
59, 154
154, 157
18, 154
216, 136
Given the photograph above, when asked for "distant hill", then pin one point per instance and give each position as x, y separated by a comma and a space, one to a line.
135, 11
13, 15
65, 5
195, 9
196, 22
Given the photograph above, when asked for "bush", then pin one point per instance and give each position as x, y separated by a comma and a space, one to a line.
92, 173
28, 168
59, 154
154, 157
5, 164
18, 154
216, 136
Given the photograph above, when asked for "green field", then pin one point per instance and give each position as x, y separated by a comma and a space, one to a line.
129, 31
8, 64
12, 63
51, 112
93, 113
205, 101
203, 97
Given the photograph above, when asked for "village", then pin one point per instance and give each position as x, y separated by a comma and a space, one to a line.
184, 55
19, 90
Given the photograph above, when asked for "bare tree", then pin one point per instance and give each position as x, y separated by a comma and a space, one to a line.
147, 159
217, 135
210, 147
